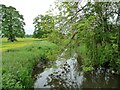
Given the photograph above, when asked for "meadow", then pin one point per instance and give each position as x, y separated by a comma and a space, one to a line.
5, 45
19, 58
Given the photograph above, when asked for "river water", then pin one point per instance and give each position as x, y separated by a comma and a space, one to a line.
68, 74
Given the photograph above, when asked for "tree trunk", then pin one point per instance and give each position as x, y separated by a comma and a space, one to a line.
12, 38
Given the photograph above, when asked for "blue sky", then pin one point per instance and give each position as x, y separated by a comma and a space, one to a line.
30, 9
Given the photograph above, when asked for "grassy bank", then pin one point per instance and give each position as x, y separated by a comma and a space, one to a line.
99, 58
17, 63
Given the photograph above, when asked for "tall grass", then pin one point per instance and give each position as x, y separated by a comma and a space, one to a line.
17, 64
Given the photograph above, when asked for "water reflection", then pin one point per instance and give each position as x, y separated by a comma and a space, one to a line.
100, 79
68, 74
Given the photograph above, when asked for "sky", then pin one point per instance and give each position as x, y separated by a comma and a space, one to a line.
29, 9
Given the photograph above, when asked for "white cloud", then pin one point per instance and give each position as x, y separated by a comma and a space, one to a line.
30, 9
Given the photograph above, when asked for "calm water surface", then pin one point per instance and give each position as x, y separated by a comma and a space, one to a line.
68, 74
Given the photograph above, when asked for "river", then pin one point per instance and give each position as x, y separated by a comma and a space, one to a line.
68, 74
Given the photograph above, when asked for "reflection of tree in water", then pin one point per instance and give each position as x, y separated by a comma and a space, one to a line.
69, 75
61, 78
64, 79
100, 78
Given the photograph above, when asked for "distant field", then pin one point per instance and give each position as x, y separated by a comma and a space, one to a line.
5, 45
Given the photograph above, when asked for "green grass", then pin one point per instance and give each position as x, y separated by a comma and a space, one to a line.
20, 43
18, 62
82, 51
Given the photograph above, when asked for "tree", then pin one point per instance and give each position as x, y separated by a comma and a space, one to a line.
12, 23
93, 25
44, 24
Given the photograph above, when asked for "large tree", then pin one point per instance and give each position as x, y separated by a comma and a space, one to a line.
93, 25
12, 25
44, 24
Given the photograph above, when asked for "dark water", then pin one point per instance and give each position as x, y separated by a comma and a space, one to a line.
68, 74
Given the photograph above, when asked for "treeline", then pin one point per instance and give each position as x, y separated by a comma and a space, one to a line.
94, 25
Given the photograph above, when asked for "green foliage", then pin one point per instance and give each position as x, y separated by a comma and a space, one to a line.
95, 26
88, 68
99, 44
12, 23
43, 26
18, 63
